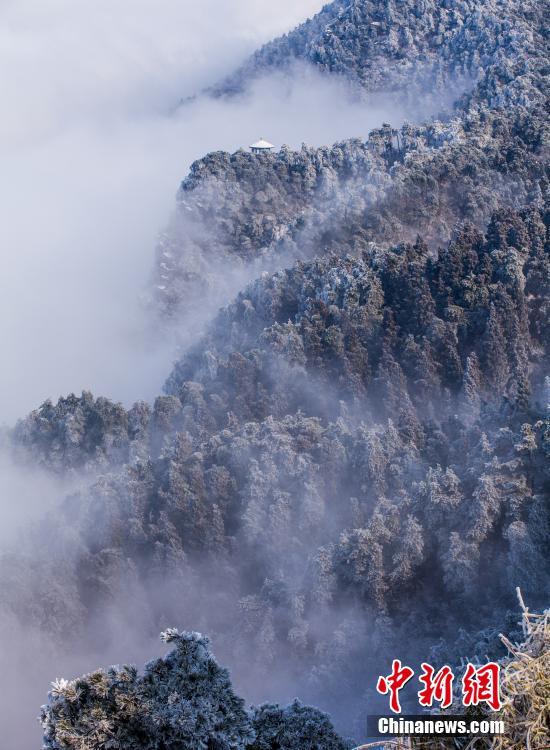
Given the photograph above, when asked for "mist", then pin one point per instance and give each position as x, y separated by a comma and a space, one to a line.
93, 148
91, 160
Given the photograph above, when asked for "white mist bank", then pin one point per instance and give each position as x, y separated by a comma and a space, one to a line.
91, 160
92, 154
93, 149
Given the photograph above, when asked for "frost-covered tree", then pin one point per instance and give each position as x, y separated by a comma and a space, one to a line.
324, 452
294, 727
184, 700
366, 419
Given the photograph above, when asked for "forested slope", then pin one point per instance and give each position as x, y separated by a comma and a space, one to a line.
353, 441
351, 460
264, 212
414, 48
488, 150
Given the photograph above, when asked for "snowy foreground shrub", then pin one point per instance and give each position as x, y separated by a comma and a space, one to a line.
184, 701
295, 727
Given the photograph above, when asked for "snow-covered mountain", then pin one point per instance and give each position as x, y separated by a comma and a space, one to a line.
351, 459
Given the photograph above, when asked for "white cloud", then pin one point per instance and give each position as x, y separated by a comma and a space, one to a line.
91, 160
66, 61
92, 154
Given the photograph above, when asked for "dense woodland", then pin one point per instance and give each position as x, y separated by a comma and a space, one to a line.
370, 439
488, 150
352, 460
414, 48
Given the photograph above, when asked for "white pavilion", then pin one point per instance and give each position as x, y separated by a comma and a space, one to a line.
261, 147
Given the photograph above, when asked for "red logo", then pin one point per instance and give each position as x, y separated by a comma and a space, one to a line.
393, 683
437, 687
479, 685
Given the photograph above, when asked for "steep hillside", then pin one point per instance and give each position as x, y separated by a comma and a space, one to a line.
353, 442
238, 215
414, 48
489, 150
358, 433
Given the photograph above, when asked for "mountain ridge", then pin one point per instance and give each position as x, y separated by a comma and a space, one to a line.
361, 432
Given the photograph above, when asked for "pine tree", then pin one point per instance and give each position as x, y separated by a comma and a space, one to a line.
471, 390
494, 352
183, 700
294, 727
